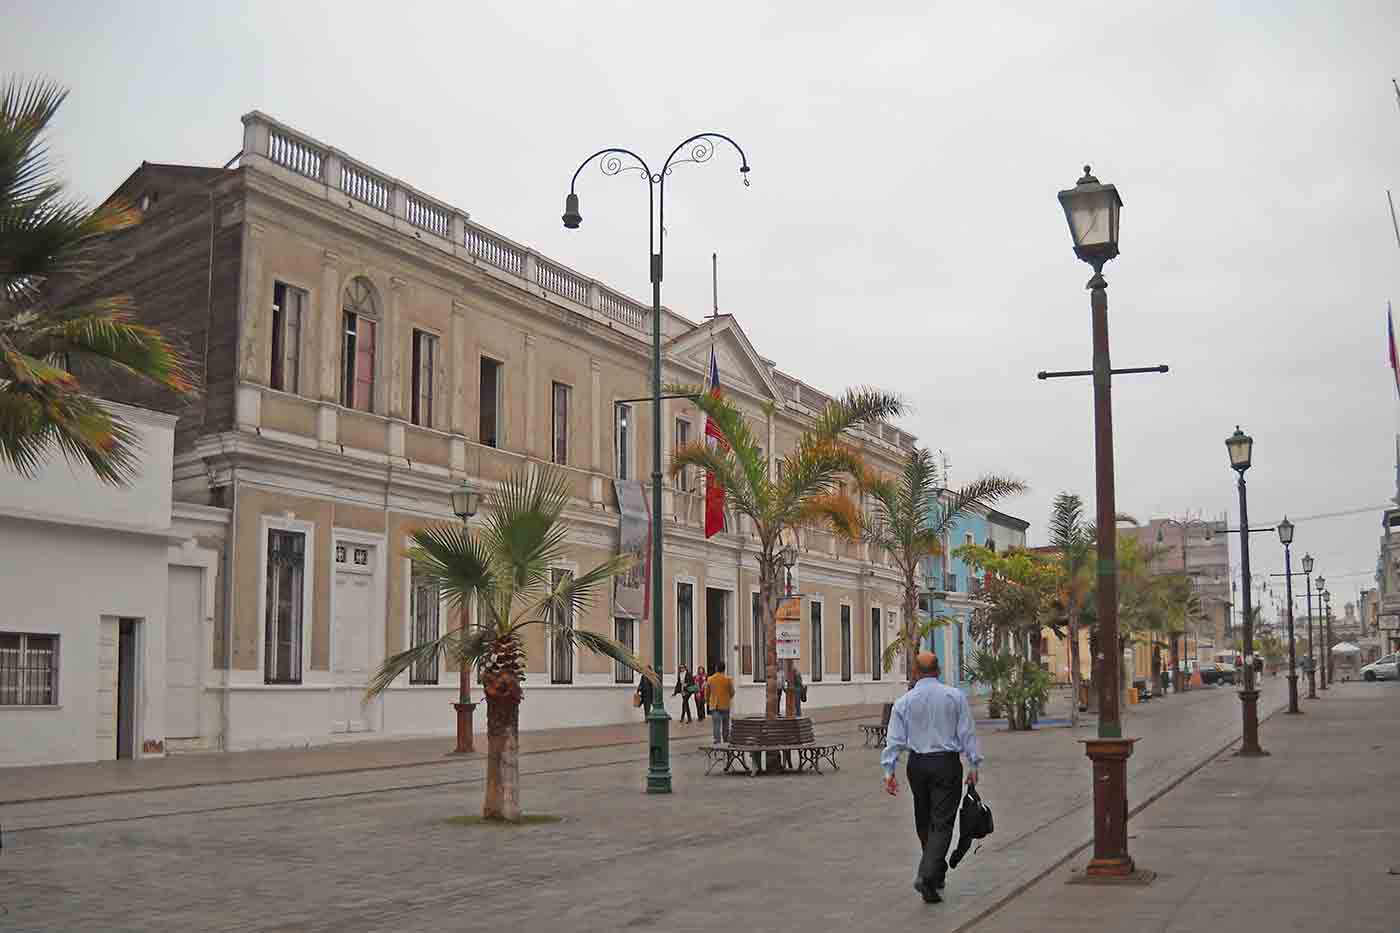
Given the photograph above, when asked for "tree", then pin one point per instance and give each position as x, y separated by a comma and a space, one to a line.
1019, 600
908, 521
45, 339
1073, 537
805, 488
506, 566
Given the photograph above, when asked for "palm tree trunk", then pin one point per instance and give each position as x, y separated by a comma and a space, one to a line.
1074, 662
1176, 663
911, 626
502, 799
768, 594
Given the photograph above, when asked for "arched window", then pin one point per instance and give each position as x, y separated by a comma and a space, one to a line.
361, 320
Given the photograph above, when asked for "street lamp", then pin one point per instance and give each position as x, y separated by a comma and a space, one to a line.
1241, 448
466, 500
1285, 537
614, 161
1312, 642
1324, 634
1091, 210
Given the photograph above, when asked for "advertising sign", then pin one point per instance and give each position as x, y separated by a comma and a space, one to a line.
789, 629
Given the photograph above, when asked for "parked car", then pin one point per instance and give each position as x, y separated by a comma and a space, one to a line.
1386, 668
1210, 672
1228, 673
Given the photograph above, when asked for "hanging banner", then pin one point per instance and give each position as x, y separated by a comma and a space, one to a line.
634, 538
789, 628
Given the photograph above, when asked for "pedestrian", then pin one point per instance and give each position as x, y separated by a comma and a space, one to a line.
682, 672
645, 694
719, 694
933, 722
700, 694
796, 692
687, 686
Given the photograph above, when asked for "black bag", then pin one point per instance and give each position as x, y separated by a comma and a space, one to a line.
974, 822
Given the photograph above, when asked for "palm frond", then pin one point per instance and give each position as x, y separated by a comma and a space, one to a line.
733, 477
917, 633
734, 429
78, 426
982, 492
452, 644
106, 330
858, 406
523, 530
26, 109
457, 561
573, 594
836, 511
603, 645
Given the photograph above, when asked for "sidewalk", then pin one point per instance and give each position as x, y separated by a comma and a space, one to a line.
57, 782
1307, 839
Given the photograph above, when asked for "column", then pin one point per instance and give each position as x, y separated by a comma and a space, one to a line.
531, 445
254, 333
392, 350
326, 347
459, 367
600, 422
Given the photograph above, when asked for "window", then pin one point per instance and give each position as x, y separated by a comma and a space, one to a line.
685, 624
845, 642
561, 668
288, 306
357, 352
622, 434
622, 631
559, 451
425, 607
425, 354
286, 556
877, 644
28, 670
759, 660
683, 482
489, 432
817, 659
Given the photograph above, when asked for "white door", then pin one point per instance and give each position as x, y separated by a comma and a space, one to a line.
183, 624
354, 589
107, 642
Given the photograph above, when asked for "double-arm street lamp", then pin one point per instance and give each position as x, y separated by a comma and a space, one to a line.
466, 500
1241, 448
1312, 642
613, 161
1285, 537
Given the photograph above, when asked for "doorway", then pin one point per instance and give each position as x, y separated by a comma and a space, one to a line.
716, 628
350, 643
126, 688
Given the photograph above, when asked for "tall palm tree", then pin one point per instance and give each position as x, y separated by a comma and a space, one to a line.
1074, 538
909, 522
805, 489
506, 566
46, 238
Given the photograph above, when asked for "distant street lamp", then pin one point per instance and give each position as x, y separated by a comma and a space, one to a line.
1285, 537
466, 500
1324, 631
1312, 642
1241, 448
1092, 210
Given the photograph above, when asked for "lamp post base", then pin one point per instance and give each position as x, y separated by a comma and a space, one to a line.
659, 769
1293, 709
1312, 685
1249, 747
1110, 764
465, 729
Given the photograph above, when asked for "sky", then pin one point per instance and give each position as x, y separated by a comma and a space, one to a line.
902, 228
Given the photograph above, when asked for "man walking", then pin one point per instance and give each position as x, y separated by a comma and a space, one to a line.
933, 722
719, 693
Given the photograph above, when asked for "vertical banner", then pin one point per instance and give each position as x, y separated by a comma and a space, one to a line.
634, 538
789, 628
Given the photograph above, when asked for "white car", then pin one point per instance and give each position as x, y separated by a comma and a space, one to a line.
1386, 668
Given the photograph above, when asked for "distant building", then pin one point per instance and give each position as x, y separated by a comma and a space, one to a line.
1201, 551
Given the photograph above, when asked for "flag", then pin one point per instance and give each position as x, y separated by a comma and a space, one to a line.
1394, 360
714, 492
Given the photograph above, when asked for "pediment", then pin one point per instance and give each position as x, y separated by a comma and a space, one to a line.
740, 367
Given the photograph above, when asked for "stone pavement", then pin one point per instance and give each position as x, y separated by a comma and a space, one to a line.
1307, 839
370, 850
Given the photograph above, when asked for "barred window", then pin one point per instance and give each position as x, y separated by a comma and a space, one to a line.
286, 555
28, 670
623, 629
425, 608
561, 668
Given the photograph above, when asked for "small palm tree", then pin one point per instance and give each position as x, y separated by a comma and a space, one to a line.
1074, 538
45, 237
805, 489
909, 522
506, 566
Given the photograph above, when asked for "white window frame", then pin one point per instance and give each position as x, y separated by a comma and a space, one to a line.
375, 315
54, 669
676, 620
279, 335
848, 659
267, 524
633, 627
554, 453
411, 622
500, 406
422, 336
683, 478
571, 568
624, 442
876, 651
816, 665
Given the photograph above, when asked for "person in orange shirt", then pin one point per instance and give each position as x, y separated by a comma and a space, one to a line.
719, 694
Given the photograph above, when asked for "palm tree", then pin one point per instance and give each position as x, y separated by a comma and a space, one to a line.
909, 523
804, 490
1074, 538
46, 238
506, 565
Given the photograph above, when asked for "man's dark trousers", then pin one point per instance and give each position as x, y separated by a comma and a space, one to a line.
935, 781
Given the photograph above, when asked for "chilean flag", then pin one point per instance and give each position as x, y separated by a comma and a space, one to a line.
714, 492
1394, 361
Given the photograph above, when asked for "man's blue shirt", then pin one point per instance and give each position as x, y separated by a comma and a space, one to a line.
931, 717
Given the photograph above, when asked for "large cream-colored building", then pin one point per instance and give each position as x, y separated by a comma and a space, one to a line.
366, 348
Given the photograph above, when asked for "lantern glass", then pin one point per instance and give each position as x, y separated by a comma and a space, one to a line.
1285, 531
1091, 210
788, 556
1241, 447
1307, 563
466, 500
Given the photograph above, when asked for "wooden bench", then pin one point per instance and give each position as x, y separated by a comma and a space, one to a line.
762, 739
875, 735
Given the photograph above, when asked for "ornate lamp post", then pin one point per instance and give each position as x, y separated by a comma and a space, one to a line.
1241, 448
1092, 209
1324, 632
1285, 537
1312, 642
612, 161
466, 500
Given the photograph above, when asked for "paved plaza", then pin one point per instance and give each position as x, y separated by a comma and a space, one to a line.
370, 850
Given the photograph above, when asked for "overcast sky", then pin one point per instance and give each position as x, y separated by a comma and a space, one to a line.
902, 227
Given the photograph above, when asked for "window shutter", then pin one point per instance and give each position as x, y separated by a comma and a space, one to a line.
364, 366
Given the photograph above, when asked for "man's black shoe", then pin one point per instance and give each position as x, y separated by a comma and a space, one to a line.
927, 892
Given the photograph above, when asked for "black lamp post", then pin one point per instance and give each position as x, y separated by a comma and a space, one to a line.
1324, 633
1312, 642
466, 500
1241, 448
1285, 537
612, 161
1092, 210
